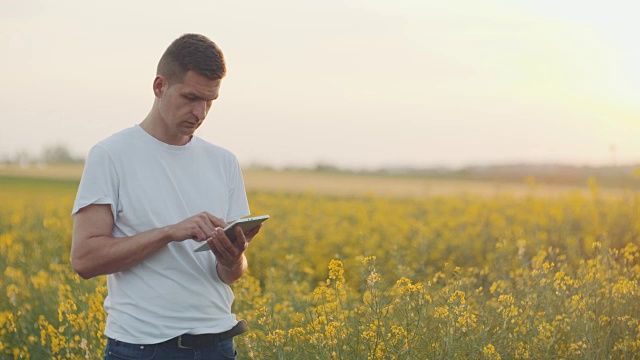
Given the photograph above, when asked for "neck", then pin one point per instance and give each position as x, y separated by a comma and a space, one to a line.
156, 127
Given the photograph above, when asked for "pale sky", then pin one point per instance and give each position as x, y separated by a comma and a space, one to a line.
354, 83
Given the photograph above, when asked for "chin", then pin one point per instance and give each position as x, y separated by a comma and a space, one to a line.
190, 129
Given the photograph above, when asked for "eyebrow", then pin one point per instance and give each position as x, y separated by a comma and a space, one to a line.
190, 93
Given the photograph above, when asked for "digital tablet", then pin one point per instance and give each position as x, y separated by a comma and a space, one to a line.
246, 224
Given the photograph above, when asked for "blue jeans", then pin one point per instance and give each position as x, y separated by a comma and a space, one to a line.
118, 350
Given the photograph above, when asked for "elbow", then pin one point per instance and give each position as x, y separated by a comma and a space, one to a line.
82, 268
82, 271
85, 276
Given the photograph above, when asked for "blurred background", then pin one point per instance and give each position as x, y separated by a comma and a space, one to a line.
354, 85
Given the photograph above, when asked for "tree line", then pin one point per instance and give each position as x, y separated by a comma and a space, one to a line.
52, 154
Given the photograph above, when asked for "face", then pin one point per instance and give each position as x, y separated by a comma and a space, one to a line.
184, 106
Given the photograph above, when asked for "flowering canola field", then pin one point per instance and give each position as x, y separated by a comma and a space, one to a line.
366, 277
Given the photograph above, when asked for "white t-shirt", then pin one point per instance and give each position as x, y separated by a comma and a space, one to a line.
150, 184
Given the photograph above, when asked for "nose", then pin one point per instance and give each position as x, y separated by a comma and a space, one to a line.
200, 110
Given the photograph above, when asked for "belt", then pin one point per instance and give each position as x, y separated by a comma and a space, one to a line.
188, 341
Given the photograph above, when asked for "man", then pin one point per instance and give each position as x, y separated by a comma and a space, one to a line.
146, 194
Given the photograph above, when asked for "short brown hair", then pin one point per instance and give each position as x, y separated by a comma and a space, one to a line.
192, 52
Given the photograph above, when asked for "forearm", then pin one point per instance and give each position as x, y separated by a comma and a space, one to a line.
101, 255
230, 274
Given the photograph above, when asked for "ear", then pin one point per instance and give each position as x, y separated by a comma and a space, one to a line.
160, 85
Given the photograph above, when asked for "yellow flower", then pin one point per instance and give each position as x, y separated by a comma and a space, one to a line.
490, 352
276, 337
336, 270
457, 296
368, 259
441, 312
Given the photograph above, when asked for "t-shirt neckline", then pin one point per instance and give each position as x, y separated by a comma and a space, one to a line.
152, 140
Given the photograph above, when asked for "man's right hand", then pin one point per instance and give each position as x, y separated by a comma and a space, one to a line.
198, 227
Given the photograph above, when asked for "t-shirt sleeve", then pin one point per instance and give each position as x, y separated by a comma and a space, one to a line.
99, 183
238, 203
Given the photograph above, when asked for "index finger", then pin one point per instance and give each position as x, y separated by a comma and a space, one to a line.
218, 222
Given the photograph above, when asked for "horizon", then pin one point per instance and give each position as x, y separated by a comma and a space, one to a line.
43, 159
355, 84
